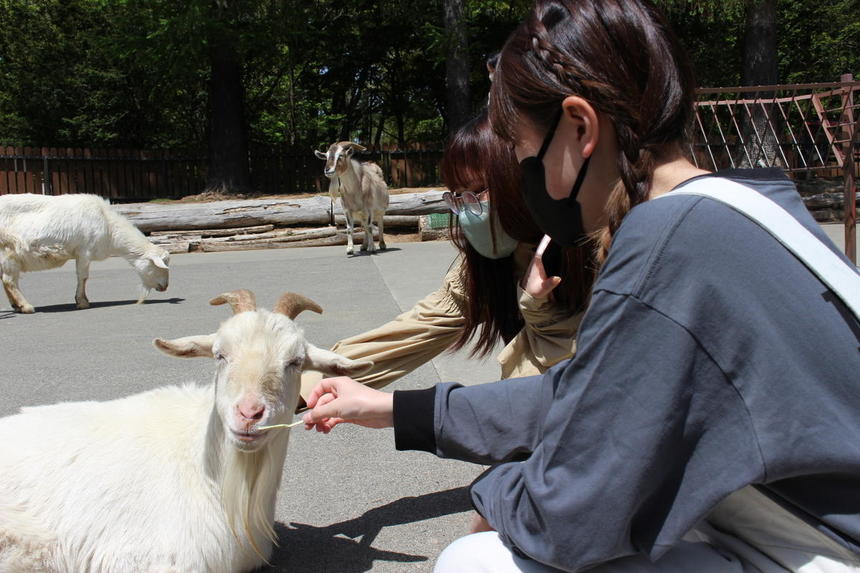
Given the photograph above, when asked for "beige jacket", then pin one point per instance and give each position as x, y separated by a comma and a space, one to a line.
435, 322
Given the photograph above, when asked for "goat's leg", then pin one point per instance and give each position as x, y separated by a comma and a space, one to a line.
379, 216
82, 265
16, 299
349, 248
368, 233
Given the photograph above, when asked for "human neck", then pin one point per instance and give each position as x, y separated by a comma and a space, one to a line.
671, 173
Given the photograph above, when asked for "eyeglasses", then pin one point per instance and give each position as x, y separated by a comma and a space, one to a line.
468, 201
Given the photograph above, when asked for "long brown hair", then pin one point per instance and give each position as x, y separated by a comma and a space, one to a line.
475, 158
620, 56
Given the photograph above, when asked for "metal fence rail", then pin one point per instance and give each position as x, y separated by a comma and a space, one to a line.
807, 130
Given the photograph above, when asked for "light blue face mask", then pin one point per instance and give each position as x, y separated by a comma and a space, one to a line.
477, 231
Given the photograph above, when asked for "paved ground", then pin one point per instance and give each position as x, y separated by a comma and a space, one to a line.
349, 501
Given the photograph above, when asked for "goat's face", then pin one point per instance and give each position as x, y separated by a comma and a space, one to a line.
152, 268
260, 357
337, 157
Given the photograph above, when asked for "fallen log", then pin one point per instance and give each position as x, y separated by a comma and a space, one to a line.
337, 239
307, 211
389, 221
211, 232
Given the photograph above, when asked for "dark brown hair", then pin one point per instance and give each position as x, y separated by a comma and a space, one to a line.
475, 158
620, 56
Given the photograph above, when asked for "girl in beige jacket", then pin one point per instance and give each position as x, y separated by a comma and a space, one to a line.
497, 289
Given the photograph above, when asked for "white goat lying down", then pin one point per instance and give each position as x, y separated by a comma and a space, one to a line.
174, 480
362, 191
39, 232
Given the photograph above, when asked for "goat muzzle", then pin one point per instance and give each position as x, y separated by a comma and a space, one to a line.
241, 300
292, 304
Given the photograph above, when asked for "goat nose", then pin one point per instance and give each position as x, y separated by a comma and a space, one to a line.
251, 409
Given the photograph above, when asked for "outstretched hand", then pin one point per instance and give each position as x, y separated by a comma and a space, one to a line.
337, 400
535, 282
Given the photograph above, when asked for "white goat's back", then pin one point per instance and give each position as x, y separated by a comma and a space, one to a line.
70, 222
111, 469
374, 187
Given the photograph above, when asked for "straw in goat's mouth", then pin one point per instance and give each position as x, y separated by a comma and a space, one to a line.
273, 426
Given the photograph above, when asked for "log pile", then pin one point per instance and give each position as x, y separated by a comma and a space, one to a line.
272, 223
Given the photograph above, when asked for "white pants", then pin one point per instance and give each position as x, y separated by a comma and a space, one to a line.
746, 533
485, 553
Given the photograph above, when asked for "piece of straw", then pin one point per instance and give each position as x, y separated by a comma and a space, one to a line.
294, 424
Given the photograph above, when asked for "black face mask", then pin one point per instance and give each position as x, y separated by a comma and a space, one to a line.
561, 219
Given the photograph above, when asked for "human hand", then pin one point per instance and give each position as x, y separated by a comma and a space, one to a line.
535, 282
479, 524
337, 400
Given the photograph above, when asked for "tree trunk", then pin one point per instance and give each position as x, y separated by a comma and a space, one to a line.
228, 170
456, 64
760, 57
760, 68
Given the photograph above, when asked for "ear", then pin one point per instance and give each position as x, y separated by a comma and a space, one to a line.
586, 126
158, 261
320, 154
347, 152
187, 347
328, 362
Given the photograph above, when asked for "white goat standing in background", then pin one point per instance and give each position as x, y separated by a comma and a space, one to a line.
174, 480
361, 188
39, 232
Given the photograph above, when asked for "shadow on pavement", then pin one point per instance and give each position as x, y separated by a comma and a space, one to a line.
359, 254
71, 307
336, 548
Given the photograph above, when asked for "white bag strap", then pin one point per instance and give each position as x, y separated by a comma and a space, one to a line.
843, 280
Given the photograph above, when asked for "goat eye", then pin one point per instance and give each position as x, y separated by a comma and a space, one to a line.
220, 356
295, 363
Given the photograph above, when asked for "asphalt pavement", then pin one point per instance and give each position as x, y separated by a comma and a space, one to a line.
349, 501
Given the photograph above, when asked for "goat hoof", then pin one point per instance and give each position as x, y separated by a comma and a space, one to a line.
82, 304
26, 309
382, 246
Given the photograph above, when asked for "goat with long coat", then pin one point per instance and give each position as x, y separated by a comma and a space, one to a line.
173, 480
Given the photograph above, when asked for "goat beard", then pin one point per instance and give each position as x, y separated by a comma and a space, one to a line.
249, 483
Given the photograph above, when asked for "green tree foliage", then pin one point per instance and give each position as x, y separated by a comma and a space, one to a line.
137, 73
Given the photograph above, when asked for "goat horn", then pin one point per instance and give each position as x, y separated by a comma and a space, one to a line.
355, 146
291, 304
241, 300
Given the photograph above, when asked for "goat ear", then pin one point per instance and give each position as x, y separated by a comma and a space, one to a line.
158, 262
329, 362
187, 347
320, 154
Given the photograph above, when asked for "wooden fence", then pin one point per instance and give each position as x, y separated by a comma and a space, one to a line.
134, 175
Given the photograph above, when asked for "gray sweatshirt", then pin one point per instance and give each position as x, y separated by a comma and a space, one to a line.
709, 359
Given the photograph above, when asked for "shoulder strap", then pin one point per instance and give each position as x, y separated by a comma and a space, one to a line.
843, 280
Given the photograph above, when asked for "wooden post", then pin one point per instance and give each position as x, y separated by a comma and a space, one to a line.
850, 129
46, 173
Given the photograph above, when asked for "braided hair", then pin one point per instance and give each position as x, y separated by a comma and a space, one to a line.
621, 57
